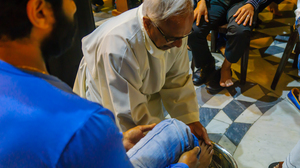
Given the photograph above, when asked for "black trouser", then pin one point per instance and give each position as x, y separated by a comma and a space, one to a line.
238, 35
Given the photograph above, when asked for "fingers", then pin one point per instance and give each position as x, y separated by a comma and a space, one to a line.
145, 128
205, 137
242, 17
237, 13
206, 17
251, 20
211, 150
246, 20
195, 14
198, 19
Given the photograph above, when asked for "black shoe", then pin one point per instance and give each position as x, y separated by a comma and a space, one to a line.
213, 85
201, 75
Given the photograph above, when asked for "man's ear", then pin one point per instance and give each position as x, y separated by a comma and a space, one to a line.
147, 23
40, 13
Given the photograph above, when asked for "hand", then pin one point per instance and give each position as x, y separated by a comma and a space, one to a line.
273, 7
244, 13
134, 135
190, 157
199, 131
199, 11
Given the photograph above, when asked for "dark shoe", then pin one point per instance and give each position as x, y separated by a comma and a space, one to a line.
213, 85
275, 164
201, 75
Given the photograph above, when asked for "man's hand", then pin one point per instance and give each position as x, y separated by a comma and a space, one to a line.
190, 157
199, 131
244, 14
201, 10
134, 135
273, 7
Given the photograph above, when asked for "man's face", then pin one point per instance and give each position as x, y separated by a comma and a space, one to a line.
61, 37
167, 34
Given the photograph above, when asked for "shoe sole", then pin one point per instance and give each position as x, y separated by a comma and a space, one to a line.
292, 103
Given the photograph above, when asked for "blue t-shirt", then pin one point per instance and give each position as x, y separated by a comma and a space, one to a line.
43, 124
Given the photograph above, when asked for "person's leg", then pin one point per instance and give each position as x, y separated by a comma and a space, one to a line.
198, 43
293, 159
163, 145
238, 41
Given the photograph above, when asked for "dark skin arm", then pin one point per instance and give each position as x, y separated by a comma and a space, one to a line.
134, 135
199, 131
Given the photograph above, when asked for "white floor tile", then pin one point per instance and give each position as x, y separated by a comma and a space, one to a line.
216, 126
250, 115
294, 84
271, 138
227, 144
219, 100
221, 116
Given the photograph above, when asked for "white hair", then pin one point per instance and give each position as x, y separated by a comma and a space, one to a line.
159, 10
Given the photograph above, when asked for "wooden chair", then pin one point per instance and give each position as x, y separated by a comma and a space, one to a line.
294, 38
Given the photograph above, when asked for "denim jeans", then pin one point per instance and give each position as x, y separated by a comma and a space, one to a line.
163, 146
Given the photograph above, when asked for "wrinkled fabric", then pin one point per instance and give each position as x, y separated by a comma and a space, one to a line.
124, 71
293, 159
163, 145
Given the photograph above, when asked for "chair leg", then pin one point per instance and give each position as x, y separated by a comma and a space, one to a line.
295, 63
244, 66
193, 65
213, 44
287, 52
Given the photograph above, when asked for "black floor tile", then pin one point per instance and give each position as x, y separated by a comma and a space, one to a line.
207, 114
236, 132
215, 137
235, 108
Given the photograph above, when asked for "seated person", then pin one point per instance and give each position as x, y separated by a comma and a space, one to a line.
292, 160
137, 61
44, 124
210, 15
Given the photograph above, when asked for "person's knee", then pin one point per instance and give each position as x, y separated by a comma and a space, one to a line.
238, 30
178, 125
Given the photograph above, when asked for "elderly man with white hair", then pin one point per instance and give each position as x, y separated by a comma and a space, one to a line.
136, 63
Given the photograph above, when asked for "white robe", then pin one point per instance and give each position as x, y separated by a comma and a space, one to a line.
124, 71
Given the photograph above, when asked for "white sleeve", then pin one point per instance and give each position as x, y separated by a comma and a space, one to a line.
178, 93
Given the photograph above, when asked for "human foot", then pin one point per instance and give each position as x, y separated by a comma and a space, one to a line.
226, 79
205, 155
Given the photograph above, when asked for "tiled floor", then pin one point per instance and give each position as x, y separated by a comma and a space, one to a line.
256, 124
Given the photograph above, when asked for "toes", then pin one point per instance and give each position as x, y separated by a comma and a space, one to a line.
228, 82
222, 84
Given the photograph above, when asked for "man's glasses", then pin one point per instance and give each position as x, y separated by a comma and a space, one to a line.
170, 39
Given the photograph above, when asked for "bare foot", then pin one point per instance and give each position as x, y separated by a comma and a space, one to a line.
226, 79
205, 155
